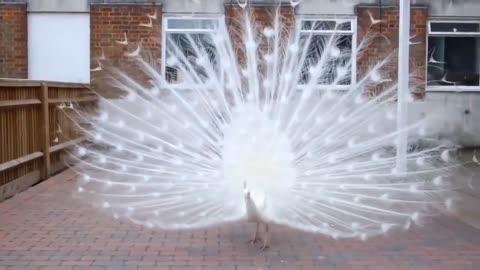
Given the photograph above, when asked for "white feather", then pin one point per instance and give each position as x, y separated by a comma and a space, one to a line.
179, 159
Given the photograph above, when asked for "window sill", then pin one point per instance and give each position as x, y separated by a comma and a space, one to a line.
184, 86
187, 87
325, 87
455, 89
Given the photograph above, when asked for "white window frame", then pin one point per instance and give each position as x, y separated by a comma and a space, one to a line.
166, 31
448, 88
352, 32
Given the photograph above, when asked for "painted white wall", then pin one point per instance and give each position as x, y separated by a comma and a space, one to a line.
450, 119
343, 7
193, 6
330, 7
437, 8
59, 47
450, 8
58, 6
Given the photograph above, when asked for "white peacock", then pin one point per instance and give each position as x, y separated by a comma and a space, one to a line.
264, 144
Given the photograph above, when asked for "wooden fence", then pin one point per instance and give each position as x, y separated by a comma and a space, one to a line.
34, 132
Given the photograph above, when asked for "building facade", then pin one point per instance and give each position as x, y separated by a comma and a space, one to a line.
38, 37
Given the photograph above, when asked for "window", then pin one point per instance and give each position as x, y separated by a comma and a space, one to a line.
59, 47
179, 34
453, 55
322, 30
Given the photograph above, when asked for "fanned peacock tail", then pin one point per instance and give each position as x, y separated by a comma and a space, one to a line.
323, 160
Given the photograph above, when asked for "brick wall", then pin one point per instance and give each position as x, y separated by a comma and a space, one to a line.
382, 47
263, 16
110, 23
13, 41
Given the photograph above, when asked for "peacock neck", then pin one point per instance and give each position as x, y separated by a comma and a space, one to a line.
254, 209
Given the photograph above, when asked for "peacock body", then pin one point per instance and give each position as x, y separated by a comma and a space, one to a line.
257, 139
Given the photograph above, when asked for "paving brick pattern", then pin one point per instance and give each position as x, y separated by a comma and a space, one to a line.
44, 228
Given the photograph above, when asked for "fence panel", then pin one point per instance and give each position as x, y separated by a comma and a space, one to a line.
34, 133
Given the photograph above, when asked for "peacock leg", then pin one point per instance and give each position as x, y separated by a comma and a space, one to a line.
255, 235
266, 238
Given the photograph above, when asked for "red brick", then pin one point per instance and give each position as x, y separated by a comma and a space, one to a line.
108, 25
381, 48
13, 41
263, 16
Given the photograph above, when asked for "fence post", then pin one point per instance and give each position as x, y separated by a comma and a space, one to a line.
45, 131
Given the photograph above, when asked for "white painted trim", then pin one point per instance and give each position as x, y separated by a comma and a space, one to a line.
313, 19
403, 85
354, 51
164, 49
448, 88
427, 58
327, 32
452, 34
439, 20
353, 20
324, 87
165, 31
187, 31
440, 88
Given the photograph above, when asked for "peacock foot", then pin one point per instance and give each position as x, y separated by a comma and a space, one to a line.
254, 240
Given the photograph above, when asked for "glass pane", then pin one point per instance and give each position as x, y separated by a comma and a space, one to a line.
454, 61
326, 25
182, 24
316, 50
185, 43
344, 26
455, 27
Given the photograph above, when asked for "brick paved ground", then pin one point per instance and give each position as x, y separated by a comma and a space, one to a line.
44, 228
